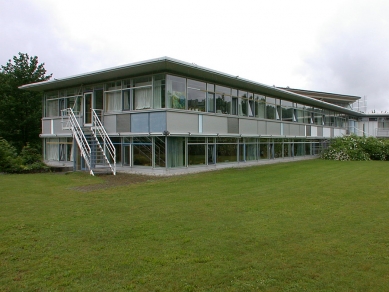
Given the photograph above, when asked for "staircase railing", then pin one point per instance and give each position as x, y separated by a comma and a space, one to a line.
107, 147
78, 134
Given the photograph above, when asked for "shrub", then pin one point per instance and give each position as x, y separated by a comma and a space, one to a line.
356, 148
9, 161
29, 160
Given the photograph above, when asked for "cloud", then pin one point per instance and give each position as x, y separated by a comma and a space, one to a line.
33, 29
352, 56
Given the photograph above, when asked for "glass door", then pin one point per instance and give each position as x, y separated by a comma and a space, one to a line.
88, 98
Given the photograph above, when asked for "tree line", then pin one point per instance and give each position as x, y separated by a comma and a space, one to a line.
20, 110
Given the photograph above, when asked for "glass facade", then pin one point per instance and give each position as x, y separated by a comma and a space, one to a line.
179, 94
175, 92
173, 152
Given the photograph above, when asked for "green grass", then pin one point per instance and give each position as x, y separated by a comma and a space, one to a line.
304, 226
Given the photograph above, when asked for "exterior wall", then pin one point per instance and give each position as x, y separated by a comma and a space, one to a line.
181, 122
184, 131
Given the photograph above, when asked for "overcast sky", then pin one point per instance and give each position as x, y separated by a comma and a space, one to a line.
339, 46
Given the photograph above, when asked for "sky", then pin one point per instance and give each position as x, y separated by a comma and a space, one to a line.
338, 46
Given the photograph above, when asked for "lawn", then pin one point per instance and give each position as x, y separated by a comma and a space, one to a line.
304, 226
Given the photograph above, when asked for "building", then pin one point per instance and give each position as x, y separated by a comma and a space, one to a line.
165, 116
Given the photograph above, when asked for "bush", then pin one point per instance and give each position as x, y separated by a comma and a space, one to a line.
356, 148
29, 160
9, 160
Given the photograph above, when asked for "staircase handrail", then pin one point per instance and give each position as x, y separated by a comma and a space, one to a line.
98, 127
78, 134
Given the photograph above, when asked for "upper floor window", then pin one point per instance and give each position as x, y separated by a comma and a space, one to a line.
176, 91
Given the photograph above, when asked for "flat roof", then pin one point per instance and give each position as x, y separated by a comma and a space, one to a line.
324, 95
191, 70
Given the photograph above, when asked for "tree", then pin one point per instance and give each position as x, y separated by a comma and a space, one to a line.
21, 111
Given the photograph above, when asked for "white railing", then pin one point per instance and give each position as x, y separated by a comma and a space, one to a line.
100, 134
78, 134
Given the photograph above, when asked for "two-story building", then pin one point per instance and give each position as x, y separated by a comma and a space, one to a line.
165, 116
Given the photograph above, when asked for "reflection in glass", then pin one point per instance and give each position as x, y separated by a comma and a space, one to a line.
142, 149
176, 88
159, 152
196, 100
196, 154
176, 151
223, 104
226, 153
159, 91
211, 102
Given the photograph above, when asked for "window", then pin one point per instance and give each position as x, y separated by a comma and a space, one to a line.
176, 90
196, 95
223, 100
196, 151
260, 106
113, 101
196, 100
226, 149
243, 103
287, 111
176, 151
251, 108
142, 93
52, 106
270, 108
142, 148
159, 91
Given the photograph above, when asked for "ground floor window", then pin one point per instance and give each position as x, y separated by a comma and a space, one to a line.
173, 152
58, 149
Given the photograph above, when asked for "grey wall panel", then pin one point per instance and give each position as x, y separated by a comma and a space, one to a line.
332, 132
233, 125
182, 123
273, 128
140, 123
286, 130
46, 126
248, 127
57, 127
294, 130
302, 130
110, 123
123, 123
158, 122
320, 131
214, 124
262, 128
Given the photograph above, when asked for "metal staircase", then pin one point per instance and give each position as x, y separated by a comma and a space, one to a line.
95, 145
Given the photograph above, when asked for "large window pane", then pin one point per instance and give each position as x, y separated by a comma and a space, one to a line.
196, 84
243, 103
176, 152
196, 100
113, 101
127, 99
160, 160
223, 104
52, 107
226, 153
270, 108
176, 90
196, 154
142, 149
159, 91
74, 103
142, 98
210, 102
264, 150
